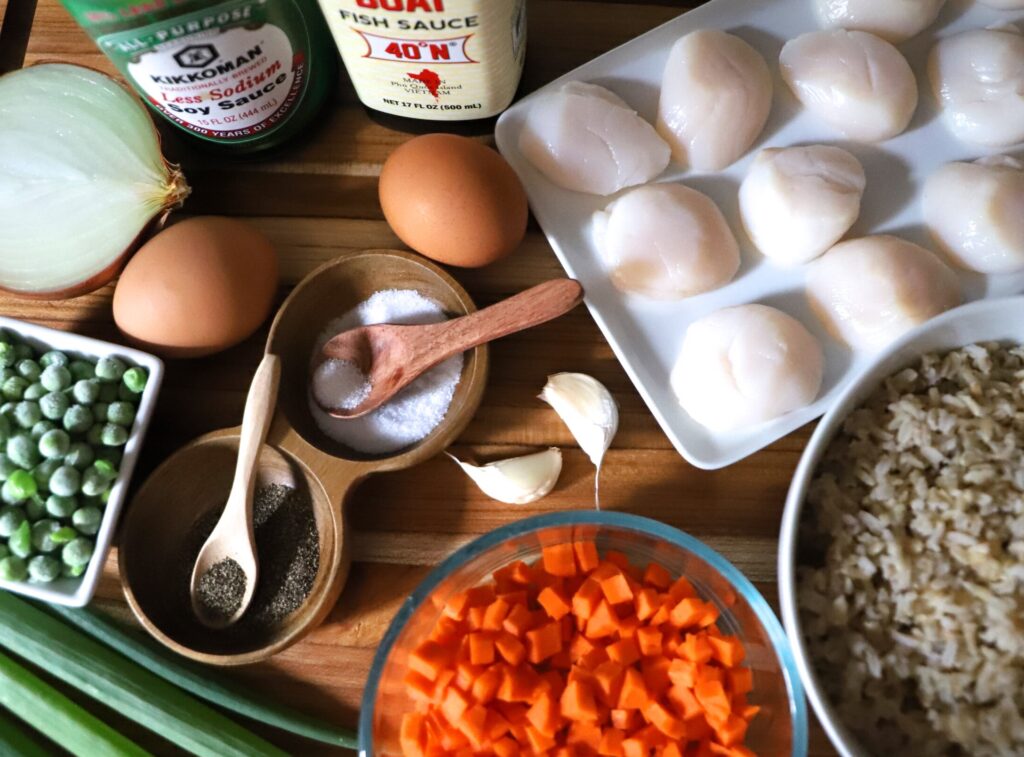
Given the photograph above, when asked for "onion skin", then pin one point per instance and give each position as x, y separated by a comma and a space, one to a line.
178, 188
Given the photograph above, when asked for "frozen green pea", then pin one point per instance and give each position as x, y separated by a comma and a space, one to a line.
4, 551
65, 481
14, 387
20, 542
72, 571
94, 482
110, 369
114, 435
121, 413
22, 451
54, 405
94, 435
108, 393
6, 373
43, 569
81, 370
29, 370
7, 409
53, 357
80, 455
77, 551
35, 508
34, 392
86, 391
55, 378
18, 487
63, 535
27, 414
44, 471
10, 518
87, 520
12, 569
41, 531
41, 428
135, 379
7, 467
105, 468
78, 419
54, 444
7, 354
5, 428
61, 507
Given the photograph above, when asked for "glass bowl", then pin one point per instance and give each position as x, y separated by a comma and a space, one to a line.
779, 729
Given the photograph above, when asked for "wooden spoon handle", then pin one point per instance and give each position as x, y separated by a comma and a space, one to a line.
529, 308
259, 411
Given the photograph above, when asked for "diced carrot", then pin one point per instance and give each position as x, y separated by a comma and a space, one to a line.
683, 673
481, 648
684, 702
518, 620
456, 606
655, 672
681, 589
658, 716
586, 555
695, 648
473, 725
480, 596
624, 651
560, 660
626, 720
608, 680
732, 731
584, 732
559, 560
616, 589
593, 658
649, 641
510, 648
444, 679
634, 691
710, 672
628, 627
495, 614
741, 680
577, 701
710, 615
486, 685
412, 736
646, 603
517, 597
466, 672
475, 617
446, 632
661, 616
603, 622
687, 613
671, 749
543, 642
429, 659
518, 684
714, 700
539, 742
611, 743
544, 715
586, 599
555, 682
505, 747
634, 747
418, 687
554, 602
455, 703
656, 576
727, 650
697, 728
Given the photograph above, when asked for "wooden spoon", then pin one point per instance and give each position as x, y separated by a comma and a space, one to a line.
233, 538
392, 356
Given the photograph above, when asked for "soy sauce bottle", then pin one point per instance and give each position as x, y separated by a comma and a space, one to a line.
241, 75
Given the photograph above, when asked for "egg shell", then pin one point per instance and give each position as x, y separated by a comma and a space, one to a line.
454, 200
197, 287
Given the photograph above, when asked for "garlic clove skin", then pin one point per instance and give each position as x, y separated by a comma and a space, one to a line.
587, 408
517, 480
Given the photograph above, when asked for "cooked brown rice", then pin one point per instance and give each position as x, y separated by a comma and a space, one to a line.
911, 589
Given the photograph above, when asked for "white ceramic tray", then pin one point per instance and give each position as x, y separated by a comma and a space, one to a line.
646, 335
76, 592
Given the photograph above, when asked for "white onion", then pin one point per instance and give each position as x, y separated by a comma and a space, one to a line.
81, 178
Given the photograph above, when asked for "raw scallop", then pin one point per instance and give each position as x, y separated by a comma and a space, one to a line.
893, 20
796, 202
716, 94
869, 291
978, 79
856, 82
975, 212
585, 138
666, 241
745, 365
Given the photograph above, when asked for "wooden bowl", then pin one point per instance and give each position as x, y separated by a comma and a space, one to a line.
197, 477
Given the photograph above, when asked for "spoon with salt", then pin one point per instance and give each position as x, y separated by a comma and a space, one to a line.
228, 558
385, 358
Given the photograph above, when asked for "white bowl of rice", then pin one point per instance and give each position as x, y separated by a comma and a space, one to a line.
901, 556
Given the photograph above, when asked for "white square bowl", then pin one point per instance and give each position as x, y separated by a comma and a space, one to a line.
76, 592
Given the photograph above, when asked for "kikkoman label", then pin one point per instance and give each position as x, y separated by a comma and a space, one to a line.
441, 60
229, 72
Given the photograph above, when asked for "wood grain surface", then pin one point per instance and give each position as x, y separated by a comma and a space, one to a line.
318, 197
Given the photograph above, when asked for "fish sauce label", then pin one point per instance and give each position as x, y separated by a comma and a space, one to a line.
440, 60
233, 71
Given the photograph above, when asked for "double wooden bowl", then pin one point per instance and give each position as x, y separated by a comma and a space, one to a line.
161, 519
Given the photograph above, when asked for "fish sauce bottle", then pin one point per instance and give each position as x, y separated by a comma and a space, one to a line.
241, 75
429, 65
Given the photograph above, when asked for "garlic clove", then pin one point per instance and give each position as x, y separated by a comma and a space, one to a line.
517, 480
587, 408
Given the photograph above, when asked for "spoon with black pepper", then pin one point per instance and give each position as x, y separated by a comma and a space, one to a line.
227, 560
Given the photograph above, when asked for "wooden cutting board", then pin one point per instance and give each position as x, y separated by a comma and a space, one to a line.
318, 198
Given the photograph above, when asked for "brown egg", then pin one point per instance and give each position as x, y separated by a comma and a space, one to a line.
454, 200
198, 287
